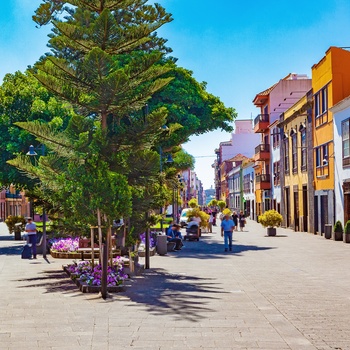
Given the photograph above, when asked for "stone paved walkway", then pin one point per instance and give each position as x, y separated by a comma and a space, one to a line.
286, 292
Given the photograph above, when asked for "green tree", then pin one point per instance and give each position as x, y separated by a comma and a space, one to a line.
23, 98
191, 109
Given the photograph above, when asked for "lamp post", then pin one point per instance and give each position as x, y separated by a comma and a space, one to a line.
32, 153
169, 159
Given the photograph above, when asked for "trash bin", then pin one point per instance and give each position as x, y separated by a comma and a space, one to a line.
328, 231
162, 244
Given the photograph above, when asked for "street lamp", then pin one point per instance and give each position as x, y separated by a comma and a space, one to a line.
169, 159
32, 153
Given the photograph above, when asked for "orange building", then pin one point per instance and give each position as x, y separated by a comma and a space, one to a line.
330, 84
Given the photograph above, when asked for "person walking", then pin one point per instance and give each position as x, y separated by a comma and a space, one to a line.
235, 220
242, 221
31, 233
227, 227
210, 223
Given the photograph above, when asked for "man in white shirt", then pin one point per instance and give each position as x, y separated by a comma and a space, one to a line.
31, 233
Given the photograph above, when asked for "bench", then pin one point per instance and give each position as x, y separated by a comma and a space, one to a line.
85, 247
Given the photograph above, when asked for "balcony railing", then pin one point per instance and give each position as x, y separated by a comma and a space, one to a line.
262, 152
263, 182
261, 122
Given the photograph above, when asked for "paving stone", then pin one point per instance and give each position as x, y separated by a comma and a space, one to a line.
284, 292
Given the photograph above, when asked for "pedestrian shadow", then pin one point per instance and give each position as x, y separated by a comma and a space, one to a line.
184, 297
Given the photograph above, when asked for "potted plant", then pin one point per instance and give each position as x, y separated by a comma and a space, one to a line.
338, 231
346, 235
15, 224
271, 219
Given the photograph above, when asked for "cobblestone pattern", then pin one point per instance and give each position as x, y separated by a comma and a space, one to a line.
286, 292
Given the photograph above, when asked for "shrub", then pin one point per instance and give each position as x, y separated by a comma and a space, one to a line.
338, 227
12, 220
270, 218
221, 205
198, 213
193, 203
213, 203
347, 227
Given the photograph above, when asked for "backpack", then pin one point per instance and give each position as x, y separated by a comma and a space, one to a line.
26, 252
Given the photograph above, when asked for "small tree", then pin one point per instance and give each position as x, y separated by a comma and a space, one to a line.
193, 203
347, 227
271, 218
221, 205
213, 203
12, 220
338, 227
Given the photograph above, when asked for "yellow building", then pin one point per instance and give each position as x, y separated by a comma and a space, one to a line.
295, 184
330, 84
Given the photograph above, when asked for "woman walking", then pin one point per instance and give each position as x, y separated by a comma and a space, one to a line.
241, 219
235, 220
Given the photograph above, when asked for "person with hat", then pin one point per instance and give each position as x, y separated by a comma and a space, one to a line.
227, 227
31, 233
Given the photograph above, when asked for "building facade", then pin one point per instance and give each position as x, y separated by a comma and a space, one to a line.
330, 85
341, 124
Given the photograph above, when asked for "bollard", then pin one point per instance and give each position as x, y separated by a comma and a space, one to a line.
104, 270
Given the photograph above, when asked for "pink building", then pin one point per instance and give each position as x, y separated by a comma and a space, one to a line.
13, 202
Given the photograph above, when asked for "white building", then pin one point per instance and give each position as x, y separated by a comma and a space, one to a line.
341, 127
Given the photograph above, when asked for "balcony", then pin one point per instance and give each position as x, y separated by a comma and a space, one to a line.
261, 123
262, 182
262, 152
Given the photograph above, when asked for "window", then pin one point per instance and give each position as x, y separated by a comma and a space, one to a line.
321, 161
317, 105
303, 149
286, 155
294, 153
321, 106
276, 173
324, 101
275, 137
345, 133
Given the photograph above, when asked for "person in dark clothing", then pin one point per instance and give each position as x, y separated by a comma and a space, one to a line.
235, 220
174, 235
241, 218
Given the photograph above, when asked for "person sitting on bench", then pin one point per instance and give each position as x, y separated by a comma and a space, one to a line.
174, 235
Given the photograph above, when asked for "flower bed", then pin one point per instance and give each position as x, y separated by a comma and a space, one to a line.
88, 277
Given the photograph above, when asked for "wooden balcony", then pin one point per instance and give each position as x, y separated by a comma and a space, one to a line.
261, 123
262, 182
262, 152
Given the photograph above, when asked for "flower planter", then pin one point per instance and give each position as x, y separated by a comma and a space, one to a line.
346, 237
84, 287
337, 236
271, 231
142, 253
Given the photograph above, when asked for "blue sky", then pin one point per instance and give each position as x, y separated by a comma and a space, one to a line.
238, 47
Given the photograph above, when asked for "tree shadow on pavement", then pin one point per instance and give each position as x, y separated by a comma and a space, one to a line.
184, 297
55, 281
11, 250
209, 249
